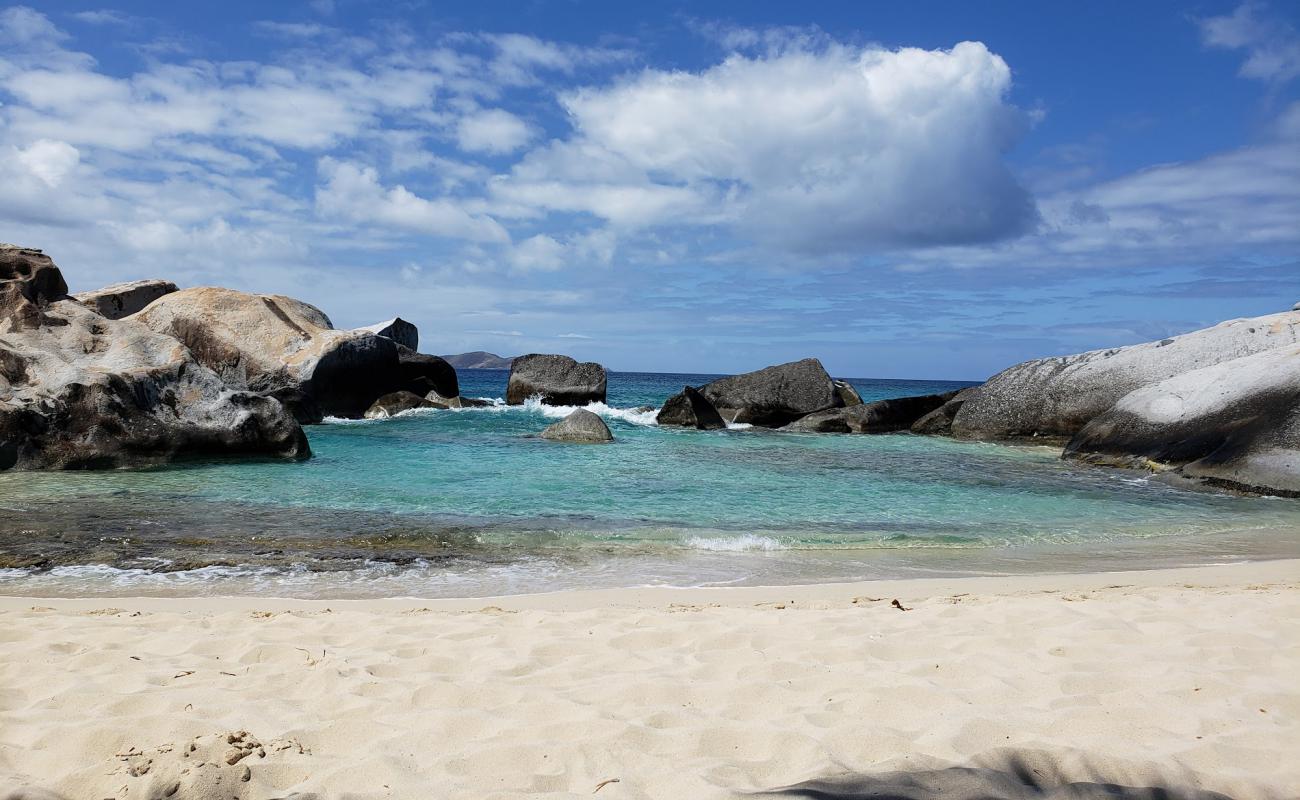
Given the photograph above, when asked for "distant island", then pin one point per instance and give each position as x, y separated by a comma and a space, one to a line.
478, 360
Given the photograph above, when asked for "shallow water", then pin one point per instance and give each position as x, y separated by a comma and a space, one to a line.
470, 502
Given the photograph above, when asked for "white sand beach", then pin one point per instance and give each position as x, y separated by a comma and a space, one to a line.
1183, 676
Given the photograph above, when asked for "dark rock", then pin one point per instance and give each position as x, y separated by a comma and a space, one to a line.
582, 426
29, 282
79, 391
880, 416
281, 347
848, 395
832, 420
124, 299
690, 409
397, 329
439, 401
559, 380
774, 396
421, 373
394, 403
1234, 424
478, 360
1054, 398
939, 421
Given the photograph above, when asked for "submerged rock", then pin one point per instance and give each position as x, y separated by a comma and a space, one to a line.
394, 403
124, 299
774, 396
582, 426
1056, 397
439, 401
397, 329
283, 347
558, 380
880, 416
1234, 424
80, 391
690, 409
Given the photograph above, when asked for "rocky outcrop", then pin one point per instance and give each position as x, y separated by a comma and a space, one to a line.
282, 347
848, 395
397, 329
478, 360
774, 396
1056, 397
558, 380
124, 299
880, 416
690, 409
581, 426
939, 421
29, 282
422, 373
394, 403
1234, 424
80, 391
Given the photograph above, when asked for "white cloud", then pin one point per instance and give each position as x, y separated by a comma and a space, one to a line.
103, 16
495, 131
838, 149
1272, 45
49, 160
354, 193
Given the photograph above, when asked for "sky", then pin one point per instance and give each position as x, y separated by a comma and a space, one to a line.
904, 190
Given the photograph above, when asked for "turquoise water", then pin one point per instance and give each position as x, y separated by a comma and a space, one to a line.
471, 502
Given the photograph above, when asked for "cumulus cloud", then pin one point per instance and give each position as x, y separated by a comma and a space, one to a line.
834, 149
495, 131
1272, 45
49, 160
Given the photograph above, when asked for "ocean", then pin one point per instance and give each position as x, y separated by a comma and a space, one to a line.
470, 503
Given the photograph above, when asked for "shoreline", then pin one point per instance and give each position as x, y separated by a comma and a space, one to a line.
1175, 680
813, 595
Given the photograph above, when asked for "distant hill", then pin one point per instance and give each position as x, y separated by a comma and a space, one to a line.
478, 360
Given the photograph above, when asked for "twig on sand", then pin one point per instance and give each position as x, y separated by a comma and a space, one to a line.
899, 606
603, 784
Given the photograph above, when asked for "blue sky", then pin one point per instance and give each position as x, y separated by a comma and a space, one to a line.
924, 190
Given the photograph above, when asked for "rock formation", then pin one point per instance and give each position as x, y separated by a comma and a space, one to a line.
282, 347
394, 403
1234, 424
939, 421
80, 391
581, 426
689, 409
1056, 397
397, 329
422, 373
478, 360
124, 299
848, 395
558, 380
880, 416
774, 396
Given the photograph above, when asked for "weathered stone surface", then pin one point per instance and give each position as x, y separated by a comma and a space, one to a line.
581, 426
422, 373
124, 299
1233, 424
559, 380
774, 396
1056, 397
83, 392
848, 395
394, 403
280, 346
880, 416
939, 421
397, 329
29, 281
690, 409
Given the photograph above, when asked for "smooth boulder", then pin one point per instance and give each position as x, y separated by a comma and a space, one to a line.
581, 426
394, 403
80, 391
124, 299
939, 421
880, 416
774, 396
283, 347
558, 380
690, 409
397, 329
1056, 397
1235, 424
422, 373
848, 395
